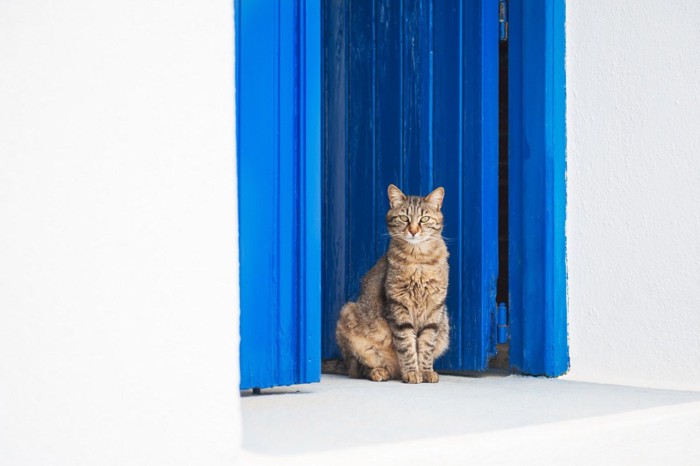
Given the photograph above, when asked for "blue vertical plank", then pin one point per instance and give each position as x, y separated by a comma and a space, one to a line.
447, 149
473, 315
489, 174
425, 29
413, 121
478, 182
310, 183
537, 184
388, 110
287, 157
256, 184
335, 112
534, 187
360, 155
279, 188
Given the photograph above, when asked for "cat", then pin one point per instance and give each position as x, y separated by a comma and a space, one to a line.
398, 326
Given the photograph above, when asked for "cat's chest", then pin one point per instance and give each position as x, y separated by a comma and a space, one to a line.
419, 285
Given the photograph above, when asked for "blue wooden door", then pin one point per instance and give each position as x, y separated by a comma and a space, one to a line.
278, 148
410, 98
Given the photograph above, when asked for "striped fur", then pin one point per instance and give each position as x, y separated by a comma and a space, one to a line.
399, 324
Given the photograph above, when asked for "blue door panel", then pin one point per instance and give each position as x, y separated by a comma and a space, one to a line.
278, 152
537, 204
410, 98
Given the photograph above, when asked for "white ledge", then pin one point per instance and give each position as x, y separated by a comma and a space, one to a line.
467, 420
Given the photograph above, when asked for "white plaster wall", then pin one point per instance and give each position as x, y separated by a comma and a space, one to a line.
633, 219
118, 243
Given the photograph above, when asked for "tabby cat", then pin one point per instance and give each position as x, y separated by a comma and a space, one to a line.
399, 325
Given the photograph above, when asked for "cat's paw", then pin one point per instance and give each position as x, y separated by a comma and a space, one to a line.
412, 377
379, 374
430, 377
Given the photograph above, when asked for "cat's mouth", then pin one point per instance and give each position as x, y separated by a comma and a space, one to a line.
414, 239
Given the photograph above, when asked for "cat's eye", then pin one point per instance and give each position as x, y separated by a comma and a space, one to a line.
404, 218
424, 219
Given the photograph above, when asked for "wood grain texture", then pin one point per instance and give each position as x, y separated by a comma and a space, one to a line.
537, 189
278, 138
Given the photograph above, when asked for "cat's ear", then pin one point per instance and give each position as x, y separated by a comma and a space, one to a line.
396, 197
435, 198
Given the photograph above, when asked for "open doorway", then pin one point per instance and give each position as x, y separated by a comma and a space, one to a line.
410, 97
446, 119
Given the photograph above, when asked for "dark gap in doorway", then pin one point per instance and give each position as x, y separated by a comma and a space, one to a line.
500, 361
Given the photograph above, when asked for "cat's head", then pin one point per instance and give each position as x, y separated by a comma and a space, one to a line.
414, 219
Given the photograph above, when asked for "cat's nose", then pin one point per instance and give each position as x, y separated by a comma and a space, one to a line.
413, 229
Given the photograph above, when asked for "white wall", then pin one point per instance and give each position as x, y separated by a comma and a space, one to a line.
633, 219
118, 259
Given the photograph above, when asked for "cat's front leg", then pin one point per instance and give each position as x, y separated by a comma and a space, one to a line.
404, 337
426, 341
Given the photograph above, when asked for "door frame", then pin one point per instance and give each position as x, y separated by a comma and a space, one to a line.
537, 187
537, 192
278, 140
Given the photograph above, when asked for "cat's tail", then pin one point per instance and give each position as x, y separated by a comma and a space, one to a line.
334, 366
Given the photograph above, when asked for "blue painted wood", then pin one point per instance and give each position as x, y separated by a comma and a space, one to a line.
449, 137
388, 113
411, 99
480, 179
537, 187
310, 267
278, 134
502, 321
360, 162
335, 230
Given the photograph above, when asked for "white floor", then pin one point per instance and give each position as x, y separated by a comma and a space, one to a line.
470, 420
